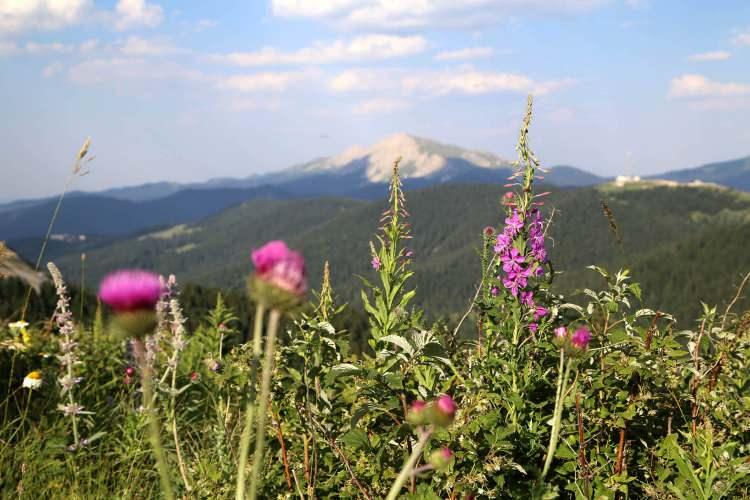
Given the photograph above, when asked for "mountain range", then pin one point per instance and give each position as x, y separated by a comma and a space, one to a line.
90, 220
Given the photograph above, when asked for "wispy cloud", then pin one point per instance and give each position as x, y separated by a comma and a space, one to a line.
52, 69
137, 13
380, 106
698, 86
465, 54
742, 39
119, 69
362, 48
718, 55
28, 15
262, 82
439, 83
389, 14
137, 46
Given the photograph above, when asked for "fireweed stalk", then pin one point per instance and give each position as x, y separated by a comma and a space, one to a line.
279, 284
572, 346
68, 356
133, 295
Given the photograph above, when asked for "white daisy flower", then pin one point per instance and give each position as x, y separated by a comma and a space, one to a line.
33, 380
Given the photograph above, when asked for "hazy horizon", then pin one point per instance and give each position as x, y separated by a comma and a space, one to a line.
178, 92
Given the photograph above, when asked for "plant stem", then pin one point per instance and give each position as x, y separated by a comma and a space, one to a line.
265, 389
562, 383
250, 409
408, 468
178, 451
153, 421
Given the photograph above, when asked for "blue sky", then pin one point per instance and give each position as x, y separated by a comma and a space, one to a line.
189, 90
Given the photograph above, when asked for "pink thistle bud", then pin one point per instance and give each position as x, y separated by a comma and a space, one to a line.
560, 336
489, 231
581, 338
417, 414
441, 459
194, 376
443, 411
129, 371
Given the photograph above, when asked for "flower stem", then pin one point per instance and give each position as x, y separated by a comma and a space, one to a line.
562, 382
153, 421
265, 389
250, 409
408, 468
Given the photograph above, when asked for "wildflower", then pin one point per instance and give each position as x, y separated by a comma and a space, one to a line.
195, 376
33, 380
213, 365
279, 278
540, 312
18, 325
560, 336
509, 195
130, 290
533, 327
417, 414
514, 224
580, 339
129, 371
133, 294
443, 411
376, 263
489, 231
72, 409
494, 291
442, 458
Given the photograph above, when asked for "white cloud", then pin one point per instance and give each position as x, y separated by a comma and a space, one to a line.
17, 16
137, 46
261, 82
698, 86
392, 14
478, 82
118, 69
380, 106
742, 39
48, 48
363, 80
434, 83
52, 69
137, 13
464, 54
361, 48
718, 55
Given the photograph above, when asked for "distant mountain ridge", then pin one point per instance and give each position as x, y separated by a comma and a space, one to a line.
731, 173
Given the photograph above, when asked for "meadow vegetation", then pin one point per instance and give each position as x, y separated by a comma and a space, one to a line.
528, 393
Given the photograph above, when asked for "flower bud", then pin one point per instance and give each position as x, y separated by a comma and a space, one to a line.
279, 280
129, 371
443, 411
417, 414
441, 459
560, 336
133, 295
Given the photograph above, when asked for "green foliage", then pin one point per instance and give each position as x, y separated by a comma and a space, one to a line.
648, 408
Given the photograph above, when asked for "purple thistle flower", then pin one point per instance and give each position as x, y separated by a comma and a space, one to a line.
130, 290
581, 338
281, 267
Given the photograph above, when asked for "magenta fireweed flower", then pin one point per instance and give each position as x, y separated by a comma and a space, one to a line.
277, 265
514, 223
533, 327
376, 263
130, 290
581, 338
